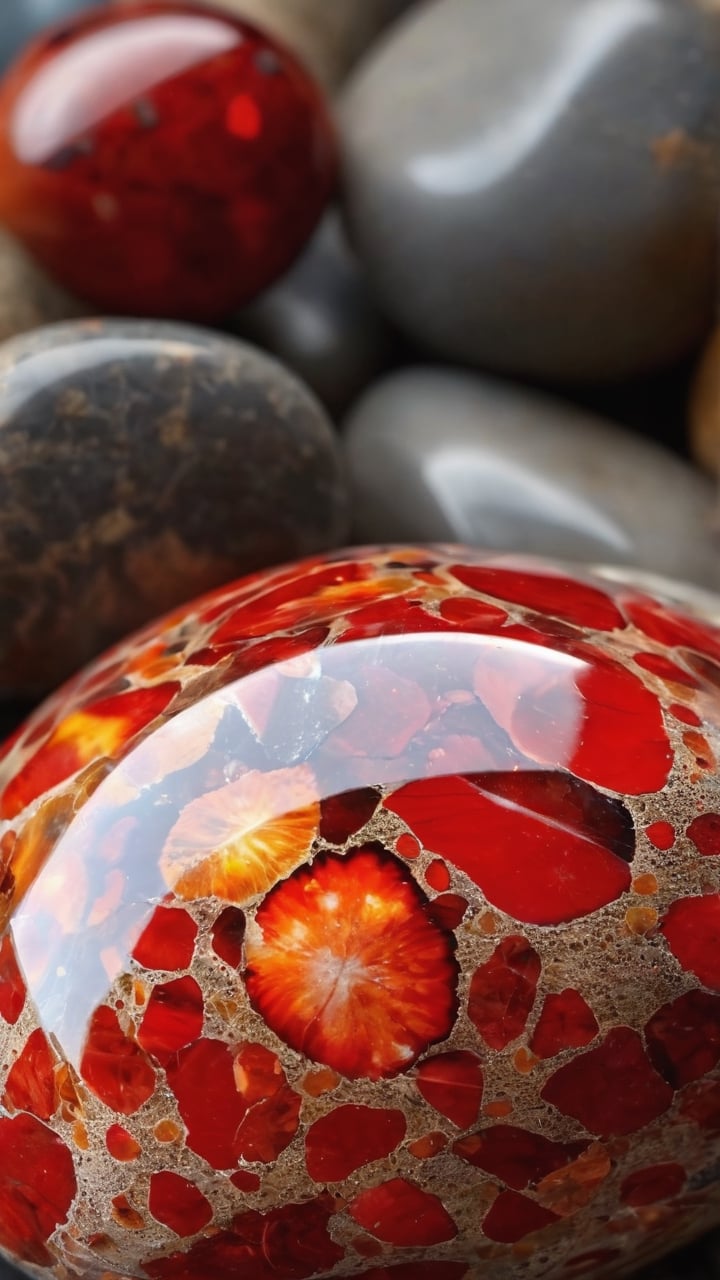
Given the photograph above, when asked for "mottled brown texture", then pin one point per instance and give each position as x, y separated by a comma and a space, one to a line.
140, 463
28, 298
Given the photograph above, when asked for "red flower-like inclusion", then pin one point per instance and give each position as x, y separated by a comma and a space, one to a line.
348, 969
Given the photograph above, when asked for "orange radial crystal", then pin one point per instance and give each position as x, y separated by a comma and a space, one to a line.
378, 939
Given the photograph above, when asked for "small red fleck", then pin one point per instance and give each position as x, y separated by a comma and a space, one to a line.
573, 601
668, 671
114, 1066
245, 1180
178, 1204
173, 1018
704, 832
661, 835
453, 1084
502, 992
516, 1156
685, 714
447, 910
31, 1082
512, 1216
612, 1089
348, 1138
121, 1144
692, 930
244, 118
407, 846
12, 987
566, 1022
438, 876
228, 935
37, 1187
167, 941
683, 1037
401, 1213
657, 1182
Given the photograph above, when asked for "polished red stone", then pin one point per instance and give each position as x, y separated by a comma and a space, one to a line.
381, 940
181, 158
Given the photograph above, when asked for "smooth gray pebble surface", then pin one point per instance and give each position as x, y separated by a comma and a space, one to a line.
533, 187
440, 454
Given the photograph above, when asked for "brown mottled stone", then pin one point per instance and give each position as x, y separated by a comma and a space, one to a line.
28, 298
142, 463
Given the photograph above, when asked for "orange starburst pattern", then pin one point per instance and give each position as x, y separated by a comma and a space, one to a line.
238, 841
348, 969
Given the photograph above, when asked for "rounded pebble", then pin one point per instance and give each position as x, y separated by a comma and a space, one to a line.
534, 188
140, 463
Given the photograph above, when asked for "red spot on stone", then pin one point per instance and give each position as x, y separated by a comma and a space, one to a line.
113, 1065
121, 1144
472, 615
685, 714
502, 992
612, 1089
12, 986
543, 847
573, 601
349, 970
243, 117
447, 910
249, 1113
228, 935
692, 930
173, 1018
514, 1155
342, 816
167, 941
438, 876
178, 1204
244, 1180
31, 1081
704, 832
348, 1138
399, 1212
292, 1242
566, 1022
683, 1037
453, 1084
661, 835
701, 1105
657, 1182
512, 1216
37, 1187
668, 671
673, 629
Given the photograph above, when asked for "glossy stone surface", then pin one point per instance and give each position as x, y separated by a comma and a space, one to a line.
413, 857
480, 461
141, 462
24, 19
544, 202
322, 322
28, 297
327, 37
181, 158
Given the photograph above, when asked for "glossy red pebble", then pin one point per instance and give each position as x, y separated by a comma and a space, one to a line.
181, 158
381, 940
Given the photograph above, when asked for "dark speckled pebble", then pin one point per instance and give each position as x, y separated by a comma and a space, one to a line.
142, 463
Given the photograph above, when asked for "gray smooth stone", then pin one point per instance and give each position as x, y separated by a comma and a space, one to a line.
533, 187
442, 455
321, 321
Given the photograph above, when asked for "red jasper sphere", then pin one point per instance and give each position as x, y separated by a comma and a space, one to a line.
362, 918
163, 159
